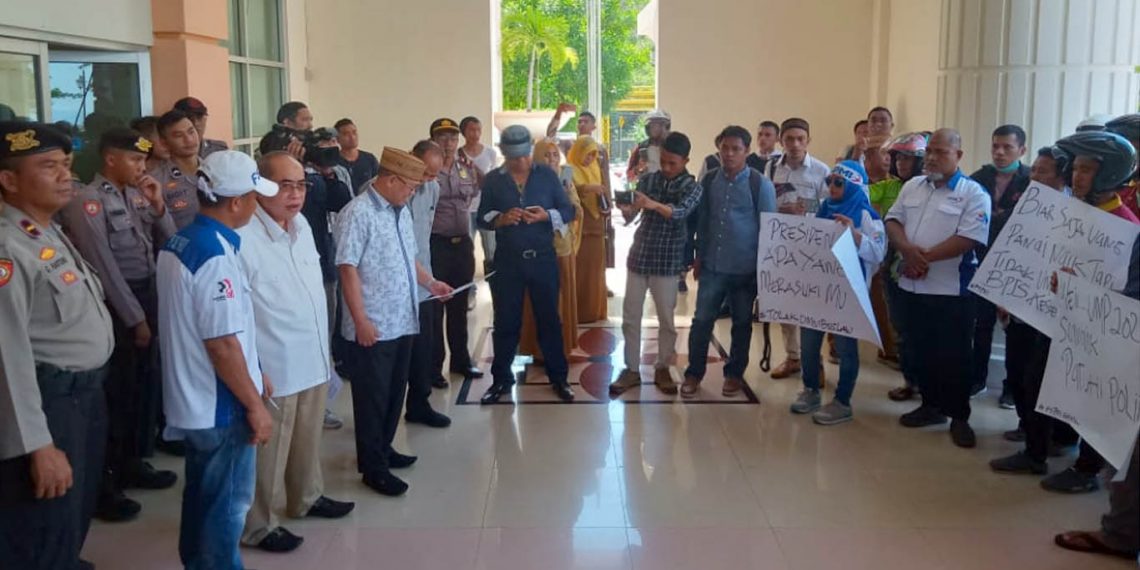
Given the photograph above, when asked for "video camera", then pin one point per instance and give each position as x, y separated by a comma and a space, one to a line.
280, 137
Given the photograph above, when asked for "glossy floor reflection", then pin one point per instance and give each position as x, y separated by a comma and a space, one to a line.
673, 486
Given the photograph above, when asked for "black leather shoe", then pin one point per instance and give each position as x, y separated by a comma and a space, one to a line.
440, 383
400, 461
922, 416
117, 508
326, 508
471, 372
280, 540
962, 434
495, 393
429, 417
386, 484
145, 476
563, 391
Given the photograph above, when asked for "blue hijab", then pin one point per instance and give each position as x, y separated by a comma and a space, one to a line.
855, 200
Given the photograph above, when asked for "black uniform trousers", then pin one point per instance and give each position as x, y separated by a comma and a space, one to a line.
938, 331
49, 534
379, 382
518, 273
1042, 430
985, 319
453, 262
1019, 344
420, 370
134, 393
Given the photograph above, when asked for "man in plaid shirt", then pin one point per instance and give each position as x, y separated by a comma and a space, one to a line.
664, 199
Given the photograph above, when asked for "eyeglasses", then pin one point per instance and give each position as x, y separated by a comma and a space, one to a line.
836, 181
294, 185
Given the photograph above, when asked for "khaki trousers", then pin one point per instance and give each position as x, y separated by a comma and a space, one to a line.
291, 459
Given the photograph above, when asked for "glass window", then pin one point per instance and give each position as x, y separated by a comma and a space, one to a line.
264, 97
263, 21
91, 97
18, 87
257, 67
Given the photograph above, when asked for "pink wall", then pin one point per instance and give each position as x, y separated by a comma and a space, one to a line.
190, 57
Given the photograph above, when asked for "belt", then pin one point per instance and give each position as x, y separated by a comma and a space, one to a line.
455, 240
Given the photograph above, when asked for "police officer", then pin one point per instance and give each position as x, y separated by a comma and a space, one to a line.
55, 339
178, 176
196, 110
115, 223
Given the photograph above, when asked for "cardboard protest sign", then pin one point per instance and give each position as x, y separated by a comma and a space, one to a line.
1046, 232
1092, 377
808, 273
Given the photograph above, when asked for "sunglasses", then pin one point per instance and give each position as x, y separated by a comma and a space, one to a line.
836, 181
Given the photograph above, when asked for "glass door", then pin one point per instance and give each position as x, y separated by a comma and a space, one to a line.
21, 71
94, 91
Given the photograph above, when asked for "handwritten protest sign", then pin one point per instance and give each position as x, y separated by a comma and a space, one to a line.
808, 273
1092, 377
1047, 231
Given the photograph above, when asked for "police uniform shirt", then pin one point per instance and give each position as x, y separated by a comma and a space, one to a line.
116, 231
53, 312
180, 190
458, 187
210, 146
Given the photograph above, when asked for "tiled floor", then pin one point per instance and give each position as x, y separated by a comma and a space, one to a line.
624, 485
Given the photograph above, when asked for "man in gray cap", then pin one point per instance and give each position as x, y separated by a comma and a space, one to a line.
525, 204
55, 339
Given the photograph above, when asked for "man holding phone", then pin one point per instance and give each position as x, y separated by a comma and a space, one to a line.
664, 199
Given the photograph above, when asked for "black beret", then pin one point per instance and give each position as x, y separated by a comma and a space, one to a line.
123, 138
443, 125
24, 138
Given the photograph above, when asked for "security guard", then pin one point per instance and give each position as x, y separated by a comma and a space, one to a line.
55, 339
196, 110
115, 223
178, 176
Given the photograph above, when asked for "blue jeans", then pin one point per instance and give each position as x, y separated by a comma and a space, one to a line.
713, 288
220, 474
811, 341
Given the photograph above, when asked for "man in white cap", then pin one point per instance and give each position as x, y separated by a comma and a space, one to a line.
212, 382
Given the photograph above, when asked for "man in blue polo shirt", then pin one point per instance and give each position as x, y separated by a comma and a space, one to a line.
212, 382
936, 224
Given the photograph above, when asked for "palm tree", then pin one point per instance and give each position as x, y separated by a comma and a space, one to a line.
531, 33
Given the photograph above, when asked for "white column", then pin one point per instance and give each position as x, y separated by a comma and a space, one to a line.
1041, 64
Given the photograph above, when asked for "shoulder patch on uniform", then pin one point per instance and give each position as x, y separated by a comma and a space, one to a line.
47, 253
92, 207
30, 228
6, 269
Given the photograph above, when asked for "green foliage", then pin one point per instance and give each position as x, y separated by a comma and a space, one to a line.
627, 59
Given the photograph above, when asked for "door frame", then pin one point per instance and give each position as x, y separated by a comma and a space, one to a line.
38, 50
139, 58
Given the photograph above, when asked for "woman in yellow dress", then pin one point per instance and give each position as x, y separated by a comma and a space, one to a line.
591, 278
546, 152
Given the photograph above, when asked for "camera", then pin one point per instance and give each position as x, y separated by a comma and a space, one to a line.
316, 154
623, 197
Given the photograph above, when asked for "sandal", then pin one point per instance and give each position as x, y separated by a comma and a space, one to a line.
1089, 542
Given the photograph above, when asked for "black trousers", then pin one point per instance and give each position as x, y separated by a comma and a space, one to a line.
453, 262
985, 319
379, 382
49, 534
1019, 343
133, 391
517, 274
1041, 430
938, 331
420, 370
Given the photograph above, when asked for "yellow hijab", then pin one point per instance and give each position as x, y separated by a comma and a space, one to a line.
563, 245
586, 175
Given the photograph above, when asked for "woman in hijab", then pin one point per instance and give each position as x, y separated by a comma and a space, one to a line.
848, 205
591, 265
566, 246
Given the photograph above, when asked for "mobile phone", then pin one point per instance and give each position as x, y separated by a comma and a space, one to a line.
623, 198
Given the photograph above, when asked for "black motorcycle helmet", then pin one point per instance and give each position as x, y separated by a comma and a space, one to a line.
1117, 157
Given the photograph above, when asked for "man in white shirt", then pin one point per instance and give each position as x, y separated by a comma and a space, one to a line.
212, 382
800, 185
284, 272
936, 224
